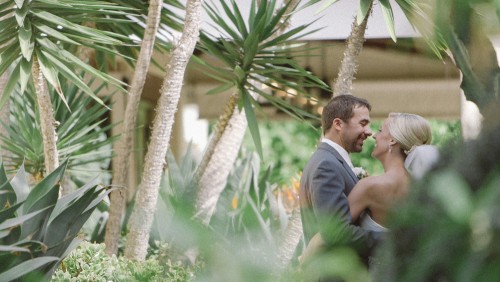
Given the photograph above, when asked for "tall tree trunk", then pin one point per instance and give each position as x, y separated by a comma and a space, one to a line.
216, 135
220, 165
47, 121
349, 64
147, 196
213, 175
121, 162
290, 240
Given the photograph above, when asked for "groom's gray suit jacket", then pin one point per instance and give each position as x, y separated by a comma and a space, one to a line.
325, 184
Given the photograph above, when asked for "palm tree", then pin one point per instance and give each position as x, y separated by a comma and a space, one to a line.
264, 40
120, 169
142, 215
417, 13
35, 40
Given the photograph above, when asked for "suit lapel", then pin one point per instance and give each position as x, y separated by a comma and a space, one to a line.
341, 160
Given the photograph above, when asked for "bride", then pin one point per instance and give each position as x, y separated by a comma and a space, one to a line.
401, 145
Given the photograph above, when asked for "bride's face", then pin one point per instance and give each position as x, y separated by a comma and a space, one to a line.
382, 140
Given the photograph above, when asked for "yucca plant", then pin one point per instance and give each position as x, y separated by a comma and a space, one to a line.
252, 56
44, 31
82, 133
37, 230
257, 52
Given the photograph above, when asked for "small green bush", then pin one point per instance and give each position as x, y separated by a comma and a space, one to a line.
88, 262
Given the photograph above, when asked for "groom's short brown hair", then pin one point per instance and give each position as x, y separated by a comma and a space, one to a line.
341, 106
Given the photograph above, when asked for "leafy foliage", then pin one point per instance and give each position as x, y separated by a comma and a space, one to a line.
82, 133
249, 206
465, 27
456, 232
38, 229
88, 262
287, 145
133, 24
256, 53
244, 231
45, 30
419, 14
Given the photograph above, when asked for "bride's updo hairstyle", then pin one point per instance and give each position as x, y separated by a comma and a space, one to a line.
409, 130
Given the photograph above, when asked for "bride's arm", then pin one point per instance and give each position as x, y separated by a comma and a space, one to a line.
313, 248
359, 199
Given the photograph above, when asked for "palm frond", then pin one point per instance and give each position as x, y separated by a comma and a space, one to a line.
82, 131
253, 51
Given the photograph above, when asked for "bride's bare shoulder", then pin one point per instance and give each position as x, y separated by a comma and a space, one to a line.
377, 182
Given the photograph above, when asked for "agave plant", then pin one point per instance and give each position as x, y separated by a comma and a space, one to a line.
251, 204
37, 229
176, 196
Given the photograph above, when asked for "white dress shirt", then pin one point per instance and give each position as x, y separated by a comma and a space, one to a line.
343, 153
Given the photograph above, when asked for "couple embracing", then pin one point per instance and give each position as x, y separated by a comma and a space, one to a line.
331, 195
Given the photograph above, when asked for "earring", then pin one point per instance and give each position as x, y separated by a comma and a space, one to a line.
390, 149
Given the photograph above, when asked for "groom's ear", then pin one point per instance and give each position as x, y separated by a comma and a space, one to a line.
337, 123
392, 142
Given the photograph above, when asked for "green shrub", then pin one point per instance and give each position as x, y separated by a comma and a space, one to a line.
88, 262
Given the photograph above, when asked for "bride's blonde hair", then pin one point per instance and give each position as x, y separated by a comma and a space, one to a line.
409, 130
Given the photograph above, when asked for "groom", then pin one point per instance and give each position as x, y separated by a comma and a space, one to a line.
328, 177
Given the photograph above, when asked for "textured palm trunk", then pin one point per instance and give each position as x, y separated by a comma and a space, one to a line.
349, 64
224, 147
47, 121
290, 240
121, 162
147, 196
216, 136
214, 179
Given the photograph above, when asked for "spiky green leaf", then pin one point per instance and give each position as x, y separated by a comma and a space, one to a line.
10, 86
388, 17
24, 73
222, 88
45, 189
364, 7
21, 12
26, 41
19, 220
49, 71
327, 4
54, 33
20, 184
252, 121
26, 267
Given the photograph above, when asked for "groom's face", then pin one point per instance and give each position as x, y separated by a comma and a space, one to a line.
356, 130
